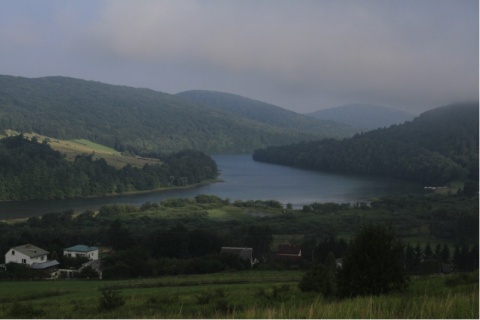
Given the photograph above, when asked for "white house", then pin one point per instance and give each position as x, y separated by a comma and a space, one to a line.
27, 254
81, 251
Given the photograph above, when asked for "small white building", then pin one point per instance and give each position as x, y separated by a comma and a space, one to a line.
81, 251
26, 254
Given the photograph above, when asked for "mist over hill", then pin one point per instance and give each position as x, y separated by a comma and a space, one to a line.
365, 116
439, 146
136, 120
266, 113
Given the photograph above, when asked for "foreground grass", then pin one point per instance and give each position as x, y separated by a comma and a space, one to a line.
253, 294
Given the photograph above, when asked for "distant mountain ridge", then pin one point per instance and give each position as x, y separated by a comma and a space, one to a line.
366, 116
439, 146
265, 113
133, 119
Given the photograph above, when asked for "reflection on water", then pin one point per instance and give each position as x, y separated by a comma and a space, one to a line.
243, 179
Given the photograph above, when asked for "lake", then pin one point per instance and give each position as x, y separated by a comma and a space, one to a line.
242, 179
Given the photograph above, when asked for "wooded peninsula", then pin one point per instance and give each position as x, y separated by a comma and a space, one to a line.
31, 170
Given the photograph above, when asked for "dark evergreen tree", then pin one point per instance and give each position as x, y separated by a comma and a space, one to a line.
411, 263
119, 236
437, 253
259, 238
373, 264
445, 254
427, 251
330, 244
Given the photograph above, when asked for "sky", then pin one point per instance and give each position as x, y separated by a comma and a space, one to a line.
302, 55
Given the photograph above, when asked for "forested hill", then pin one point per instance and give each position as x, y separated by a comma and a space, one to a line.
31, 170
266, 113
131, 119
364, 116
438, 146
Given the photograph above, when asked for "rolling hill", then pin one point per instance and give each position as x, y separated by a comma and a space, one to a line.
439, 146
265, 113
365, 116
132, 119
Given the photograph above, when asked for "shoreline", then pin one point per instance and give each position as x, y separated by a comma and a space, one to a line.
127, 193
22, 219
190, 186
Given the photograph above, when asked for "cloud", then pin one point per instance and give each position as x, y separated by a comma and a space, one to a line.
354, 48
298, 54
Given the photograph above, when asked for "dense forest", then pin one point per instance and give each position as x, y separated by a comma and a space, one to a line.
131, 119
439, 146
32, 170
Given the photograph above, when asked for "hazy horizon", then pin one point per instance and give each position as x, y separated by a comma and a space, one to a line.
300, 55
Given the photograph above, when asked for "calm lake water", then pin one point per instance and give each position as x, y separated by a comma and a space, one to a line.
242, 179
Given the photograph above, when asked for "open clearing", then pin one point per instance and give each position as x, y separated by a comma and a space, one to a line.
75, 147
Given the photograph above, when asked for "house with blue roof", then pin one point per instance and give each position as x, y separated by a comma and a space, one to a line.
81, 251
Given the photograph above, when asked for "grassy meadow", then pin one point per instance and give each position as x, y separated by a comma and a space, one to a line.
74, 147
249, 294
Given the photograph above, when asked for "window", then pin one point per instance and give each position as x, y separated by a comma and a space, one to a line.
24, 260
13, 252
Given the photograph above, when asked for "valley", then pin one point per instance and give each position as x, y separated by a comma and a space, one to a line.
69, 145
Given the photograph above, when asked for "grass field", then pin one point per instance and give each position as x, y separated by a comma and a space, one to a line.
229, 213
72, 148
250, 294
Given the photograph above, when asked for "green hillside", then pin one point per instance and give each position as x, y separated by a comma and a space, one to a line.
266, 113
130, 119
439, 146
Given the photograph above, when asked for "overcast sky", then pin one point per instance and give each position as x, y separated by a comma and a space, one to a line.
302, 55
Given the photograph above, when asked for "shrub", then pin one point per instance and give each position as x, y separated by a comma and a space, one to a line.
89, 273
319, 279
110, 299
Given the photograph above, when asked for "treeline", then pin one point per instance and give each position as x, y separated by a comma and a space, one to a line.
439, 146
180, 236
32, 170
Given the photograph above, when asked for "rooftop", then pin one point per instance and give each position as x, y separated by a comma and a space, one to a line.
81, 248
30, 250
45, 265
